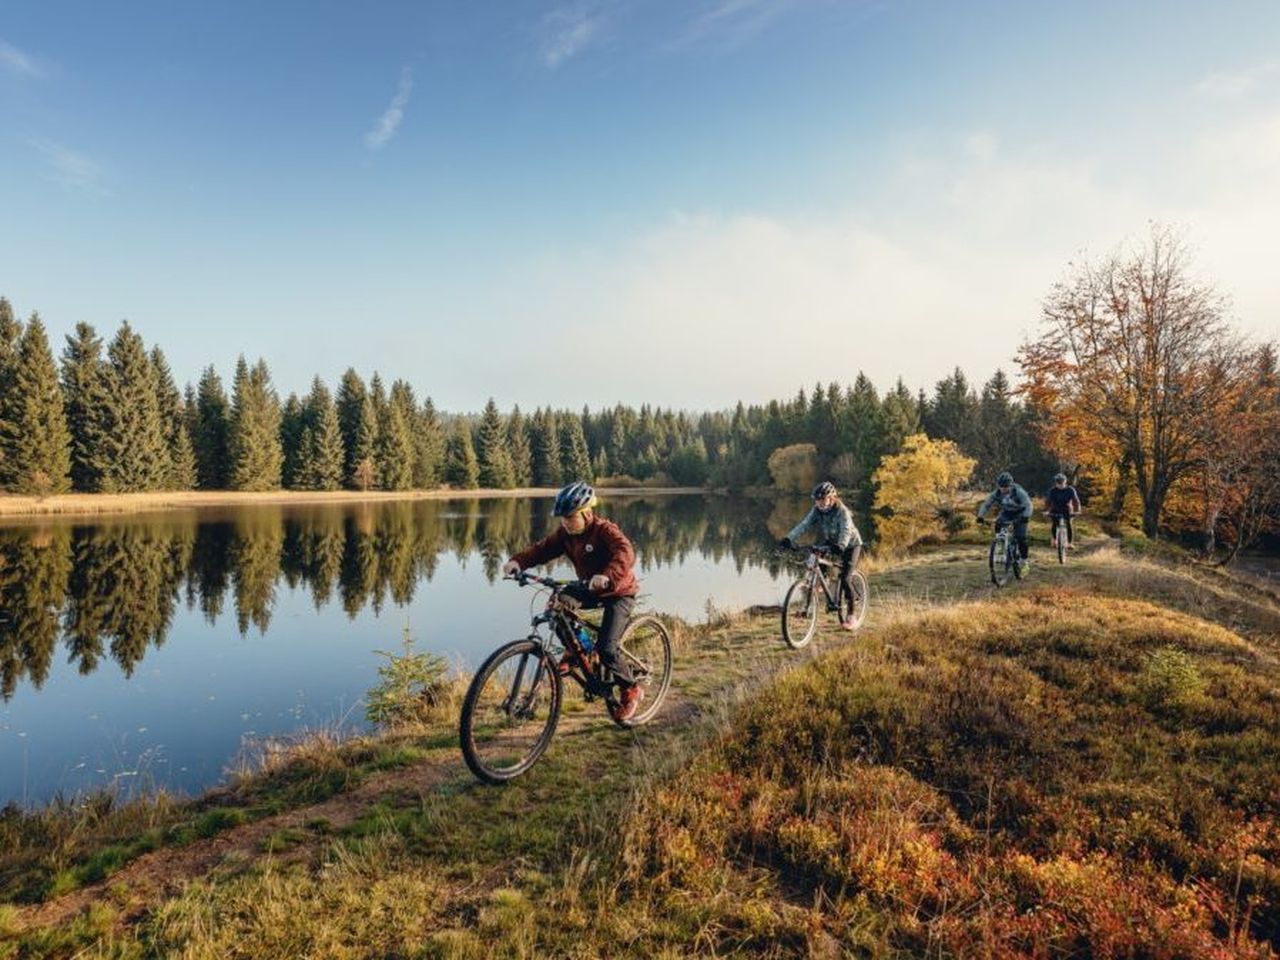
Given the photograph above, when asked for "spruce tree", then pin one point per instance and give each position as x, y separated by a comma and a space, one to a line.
395, 448
83, 396
518, 444
10, 334
357, 420
322, 441
38, 451
544, 441
180, 473
291, 426
496, 471
211, 438
575, 461
428, 447
254, 440
461, 468
134, 453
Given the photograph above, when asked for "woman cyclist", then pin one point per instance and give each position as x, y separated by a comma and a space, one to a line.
833, 523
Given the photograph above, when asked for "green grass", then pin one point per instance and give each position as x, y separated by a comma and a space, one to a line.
1056, 768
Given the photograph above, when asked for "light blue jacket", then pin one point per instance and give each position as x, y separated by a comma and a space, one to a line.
835, 526
1014, 504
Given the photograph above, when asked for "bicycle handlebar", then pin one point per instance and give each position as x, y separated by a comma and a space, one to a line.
524, 579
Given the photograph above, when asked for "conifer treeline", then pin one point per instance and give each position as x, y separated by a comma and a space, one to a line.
113, 420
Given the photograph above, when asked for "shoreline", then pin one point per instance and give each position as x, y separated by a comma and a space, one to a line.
17, 507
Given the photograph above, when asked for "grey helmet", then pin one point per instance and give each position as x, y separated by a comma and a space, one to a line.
576, 496
1059, 477
825, 489
1004, 479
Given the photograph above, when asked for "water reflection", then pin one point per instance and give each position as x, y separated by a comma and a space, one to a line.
111, 589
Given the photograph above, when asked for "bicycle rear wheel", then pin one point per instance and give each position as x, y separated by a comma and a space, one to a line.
510, 712
855, 607
646, 646
998, 562
799, 614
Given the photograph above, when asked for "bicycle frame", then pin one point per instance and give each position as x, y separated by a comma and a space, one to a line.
563, 625
819, 568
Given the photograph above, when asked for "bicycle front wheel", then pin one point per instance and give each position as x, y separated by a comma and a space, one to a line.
510, 712
998, 562
1062, 542
646, 646
855, 607
799, 614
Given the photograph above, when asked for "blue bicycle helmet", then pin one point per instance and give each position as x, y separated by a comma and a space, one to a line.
1004, 479
576, 496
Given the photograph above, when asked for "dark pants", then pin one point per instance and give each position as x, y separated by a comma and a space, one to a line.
617, 614
848, 563
1019, 532
1055, 519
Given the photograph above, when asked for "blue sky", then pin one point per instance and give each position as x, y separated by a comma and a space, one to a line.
685, 203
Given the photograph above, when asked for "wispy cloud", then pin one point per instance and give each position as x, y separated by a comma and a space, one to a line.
386, 125
1231, 86
567, 31
730, 22
70, 167
11, 58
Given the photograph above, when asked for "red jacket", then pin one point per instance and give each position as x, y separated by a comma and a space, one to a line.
600, 548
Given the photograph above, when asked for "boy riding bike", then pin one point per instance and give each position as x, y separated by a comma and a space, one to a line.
603, 556
1061, 503
1015, 508
833, 522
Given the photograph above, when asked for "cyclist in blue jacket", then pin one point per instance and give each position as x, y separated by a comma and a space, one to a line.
833, 522
1015, 508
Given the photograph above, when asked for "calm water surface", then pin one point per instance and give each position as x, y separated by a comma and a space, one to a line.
148, 651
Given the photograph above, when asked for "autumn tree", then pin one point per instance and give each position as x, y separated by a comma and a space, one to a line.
1123, 367
918, 491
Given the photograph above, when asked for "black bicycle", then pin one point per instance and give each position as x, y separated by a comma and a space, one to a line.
1004, 557
1059, 520
511, 709
821, 576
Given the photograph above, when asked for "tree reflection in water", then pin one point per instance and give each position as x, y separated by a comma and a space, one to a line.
112, 587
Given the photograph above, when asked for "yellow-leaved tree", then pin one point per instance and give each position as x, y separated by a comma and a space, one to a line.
794, 468
917, 491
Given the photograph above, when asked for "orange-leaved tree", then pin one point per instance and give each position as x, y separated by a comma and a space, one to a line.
917, 491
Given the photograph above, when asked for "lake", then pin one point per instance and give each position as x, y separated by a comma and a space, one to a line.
145, 651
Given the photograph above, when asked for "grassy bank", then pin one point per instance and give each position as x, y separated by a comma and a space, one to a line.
95, 504
1087, 764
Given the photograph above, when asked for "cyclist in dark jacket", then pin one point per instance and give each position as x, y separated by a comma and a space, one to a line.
1061, 503
1015, 508
833, 523
603, 556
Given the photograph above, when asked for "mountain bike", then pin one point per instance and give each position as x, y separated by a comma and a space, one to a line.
1004, 557
1060, 535
511, 709
821, 576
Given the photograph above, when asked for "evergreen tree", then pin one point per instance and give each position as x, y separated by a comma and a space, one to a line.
10, 334
37, 452
291, 427
518, 444
953, 413
211, 439
134, 453
357, 420
575, 461
395, 452
254, 439
83, 398
180, 472
428, 447
544, 441
461, 468
900, 414
496, 470
321, 466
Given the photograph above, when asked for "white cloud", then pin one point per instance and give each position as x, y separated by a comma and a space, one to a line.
14, 59
70, 167
1232, 86
950, 270
567, 31
386, 125
730, 22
